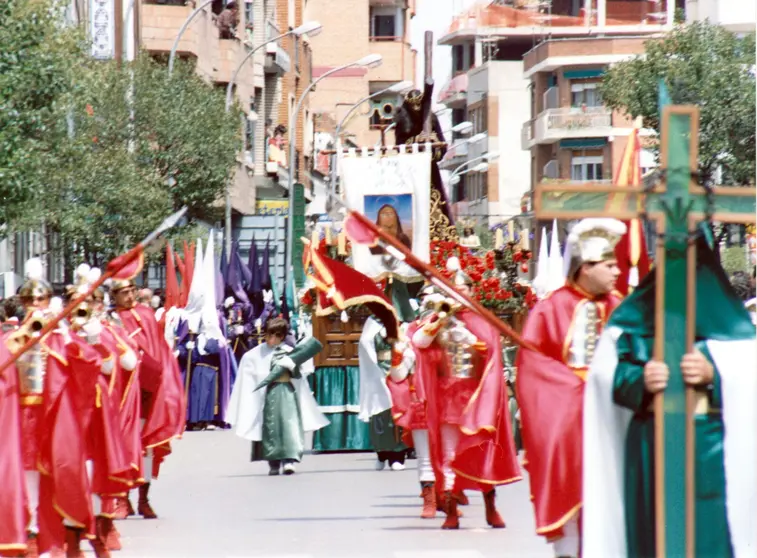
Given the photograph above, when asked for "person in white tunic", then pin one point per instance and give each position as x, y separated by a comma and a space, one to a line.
271, 403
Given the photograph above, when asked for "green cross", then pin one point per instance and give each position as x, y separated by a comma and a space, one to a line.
677, 205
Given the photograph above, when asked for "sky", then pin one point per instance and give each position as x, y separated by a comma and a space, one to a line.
436, 16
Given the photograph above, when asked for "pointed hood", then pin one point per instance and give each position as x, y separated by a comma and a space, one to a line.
209, 325
196, 294
265, 267
254, 286
242, 270
189, 265
556, 275
224, 265
172, 283
541, 280
234, 278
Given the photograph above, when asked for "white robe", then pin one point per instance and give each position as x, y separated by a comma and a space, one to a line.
605, 428
373, 395
245, 412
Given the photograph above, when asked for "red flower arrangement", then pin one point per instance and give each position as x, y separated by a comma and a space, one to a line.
494, 274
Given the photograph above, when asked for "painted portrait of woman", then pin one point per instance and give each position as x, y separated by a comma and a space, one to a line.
387, 219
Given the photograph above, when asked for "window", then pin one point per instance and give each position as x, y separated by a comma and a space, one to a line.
471, 55
383, 24
584, 94
457, 59
250, 122
291, 14
586, 168
249, 19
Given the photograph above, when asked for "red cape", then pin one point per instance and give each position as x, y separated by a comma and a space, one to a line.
123, 389
550, 398
64, 486
485, 455
13, 511
167, 416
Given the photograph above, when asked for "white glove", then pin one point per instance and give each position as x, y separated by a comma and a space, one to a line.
92, 329
190, 345
238, 330
399, 373
128, 360
107, 367
286, 362
229, 302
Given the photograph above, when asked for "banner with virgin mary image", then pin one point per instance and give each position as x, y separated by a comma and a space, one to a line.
394, 192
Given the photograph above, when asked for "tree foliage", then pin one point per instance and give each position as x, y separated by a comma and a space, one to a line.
99, 153
705, 65
37, 60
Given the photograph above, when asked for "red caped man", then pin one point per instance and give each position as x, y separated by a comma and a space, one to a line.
109, 459
51, 380
563, 331
162, 394
459, 364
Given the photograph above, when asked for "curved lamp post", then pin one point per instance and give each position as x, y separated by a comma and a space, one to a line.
370, 61
400, 87
311, 27
189, 19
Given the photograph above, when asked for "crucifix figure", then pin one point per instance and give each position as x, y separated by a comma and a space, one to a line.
686, 301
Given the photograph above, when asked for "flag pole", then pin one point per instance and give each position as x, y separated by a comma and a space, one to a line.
112, 269
400, 251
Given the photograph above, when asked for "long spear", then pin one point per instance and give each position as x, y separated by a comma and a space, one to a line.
112, 269
400, 251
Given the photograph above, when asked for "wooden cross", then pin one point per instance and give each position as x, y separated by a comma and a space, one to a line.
677, 204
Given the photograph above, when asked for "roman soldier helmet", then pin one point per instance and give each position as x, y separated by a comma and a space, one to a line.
83, 278
459, 278
120, 284
592, 241
35, 286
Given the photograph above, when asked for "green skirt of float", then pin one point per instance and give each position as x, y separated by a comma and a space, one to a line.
712, 534
385, 436
283, 436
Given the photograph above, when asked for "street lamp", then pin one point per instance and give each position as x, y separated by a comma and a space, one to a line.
400, 87
181, 32
463, 128
370, 61
310, 27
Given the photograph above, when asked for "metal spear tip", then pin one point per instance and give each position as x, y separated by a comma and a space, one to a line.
311, 28
370, 61
168, 223
401, 87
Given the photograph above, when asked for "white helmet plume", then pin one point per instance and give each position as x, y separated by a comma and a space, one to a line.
453, 264
82, 272
33, 269
93, 275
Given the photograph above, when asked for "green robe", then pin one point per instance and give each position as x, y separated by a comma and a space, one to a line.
712, 534
385, 436
283, 436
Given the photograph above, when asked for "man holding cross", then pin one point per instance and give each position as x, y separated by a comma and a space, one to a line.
619, 429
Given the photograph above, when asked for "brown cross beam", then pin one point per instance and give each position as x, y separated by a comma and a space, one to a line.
676, 204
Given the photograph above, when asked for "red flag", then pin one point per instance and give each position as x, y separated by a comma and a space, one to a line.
172, 283
131, 269
186, 276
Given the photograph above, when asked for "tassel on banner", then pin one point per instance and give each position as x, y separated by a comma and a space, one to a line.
633, 277
345, 317
402, 149
415, 148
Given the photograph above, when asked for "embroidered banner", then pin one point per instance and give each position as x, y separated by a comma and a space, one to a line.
394, 192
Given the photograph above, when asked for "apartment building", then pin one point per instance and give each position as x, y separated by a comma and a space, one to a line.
266, 87
353, 29
495, 76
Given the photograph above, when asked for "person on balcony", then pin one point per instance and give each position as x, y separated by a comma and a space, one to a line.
228, 20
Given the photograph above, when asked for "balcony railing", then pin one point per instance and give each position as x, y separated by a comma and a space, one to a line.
552, 98
562, 123
381, 38
578, 119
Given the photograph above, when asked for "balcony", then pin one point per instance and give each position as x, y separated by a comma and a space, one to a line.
161, 24
455, 92
456, 155
565, 123
398, 62
277, 60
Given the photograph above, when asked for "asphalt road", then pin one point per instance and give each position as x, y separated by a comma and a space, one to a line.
213, 503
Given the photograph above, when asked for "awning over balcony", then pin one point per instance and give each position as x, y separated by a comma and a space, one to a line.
455, 86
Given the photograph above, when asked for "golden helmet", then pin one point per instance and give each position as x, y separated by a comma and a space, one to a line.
35, 286
119, 284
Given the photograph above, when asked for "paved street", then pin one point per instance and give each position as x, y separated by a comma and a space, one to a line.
213, 502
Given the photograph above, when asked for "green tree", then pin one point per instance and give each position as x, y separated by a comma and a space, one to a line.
37, 60
705, 65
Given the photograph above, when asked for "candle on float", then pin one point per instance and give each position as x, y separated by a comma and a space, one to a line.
524, 243
510, 231
342, 243
314, 239
328, 235
499, 239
